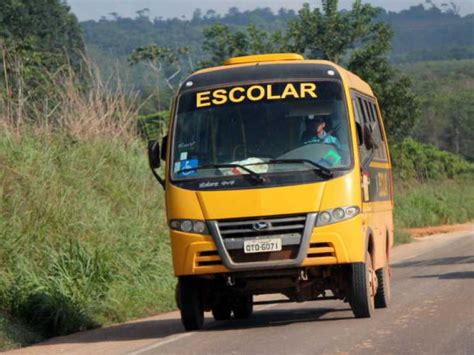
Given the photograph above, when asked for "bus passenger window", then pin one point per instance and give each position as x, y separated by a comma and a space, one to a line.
364, 153
381, 153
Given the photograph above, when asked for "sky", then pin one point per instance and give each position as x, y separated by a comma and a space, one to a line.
94, 9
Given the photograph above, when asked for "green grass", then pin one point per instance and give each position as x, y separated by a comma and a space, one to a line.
434, 202
14, 334
83, 240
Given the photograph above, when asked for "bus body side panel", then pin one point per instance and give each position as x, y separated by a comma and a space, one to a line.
376, 200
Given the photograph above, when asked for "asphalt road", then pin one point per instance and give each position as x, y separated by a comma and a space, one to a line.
432, 312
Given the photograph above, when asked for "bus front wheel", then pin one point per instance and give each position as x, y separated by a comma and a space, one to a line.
362, 288
190, 302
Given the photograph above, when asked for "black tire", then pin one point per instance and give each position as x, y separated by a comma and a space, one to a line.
361, 295
192, 312
384, 294
176, 296
221, 309
243, 307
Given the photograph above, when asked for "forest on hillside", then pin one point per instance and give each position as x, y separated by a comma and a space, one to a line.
420, 33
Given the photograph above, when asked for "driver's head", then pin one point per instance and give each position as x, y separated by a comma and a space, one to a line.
317, 123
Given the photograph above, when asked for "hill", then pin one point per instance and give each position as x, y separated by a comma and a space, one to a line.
420, 34
445, 91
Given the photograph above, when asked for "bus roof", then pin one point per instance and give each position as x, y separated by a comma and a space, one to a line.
259, 66
260, 58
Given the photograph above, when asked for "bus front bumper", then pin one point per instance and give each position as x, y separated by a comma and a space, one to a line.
338, 243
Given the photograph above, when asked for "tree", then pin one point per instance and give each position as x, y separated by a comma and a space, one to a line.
46, 25
38, 38
354, 39
158, 57
223, 43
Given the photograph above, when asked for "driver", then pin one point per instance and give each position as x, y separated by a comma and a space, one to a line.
316, 133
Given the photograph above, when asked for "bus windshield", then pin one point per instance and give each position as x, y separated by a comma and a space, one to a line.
268, 128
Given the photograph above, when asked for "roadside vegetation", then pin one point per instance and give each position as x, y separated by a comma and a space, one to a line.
83, 238
433, 202
432, 187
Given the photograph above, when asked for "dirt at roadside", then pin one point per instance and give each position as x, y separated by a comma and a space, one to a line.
426, 231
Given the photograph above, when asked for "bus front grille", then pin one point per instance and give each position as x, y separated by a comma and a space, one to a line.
262, 226
287, 228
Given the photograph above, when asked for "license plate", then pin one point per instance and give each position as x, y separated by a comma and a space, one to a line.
262, 245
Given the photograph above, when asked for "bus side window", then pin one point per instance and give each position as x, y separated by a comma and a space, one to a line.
367, 127
359, 117
378, 133
359, 120
365, 120
373, 111
370, 116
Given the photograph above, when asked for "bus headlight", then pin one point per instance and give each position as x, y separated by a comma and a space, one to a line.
336, 215
189, 226
324, 218
199, 227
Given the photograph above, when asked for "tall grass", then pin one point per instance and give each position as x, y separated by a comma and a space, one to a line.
82, 235
83, 240
79, 104
434, 202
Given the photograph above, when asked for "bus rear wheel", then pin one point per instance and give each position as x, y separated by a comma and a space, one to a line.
383, 295
362, 288
242, 306
190, 302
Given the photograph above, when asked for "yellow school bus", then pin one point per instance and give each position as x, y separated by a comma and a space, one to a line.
278, 181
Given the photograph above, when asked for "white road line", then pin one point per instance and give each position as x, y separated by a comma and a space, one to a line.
172, 339
161, 343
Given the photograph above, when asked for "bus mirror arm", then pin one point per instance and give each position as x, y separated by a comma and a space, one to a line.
366, 163
154, 160
164, 146
158, 178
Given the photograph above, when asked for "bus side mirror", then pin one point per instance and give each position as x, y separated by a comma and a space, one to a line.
154, 154
369, 138
164, 146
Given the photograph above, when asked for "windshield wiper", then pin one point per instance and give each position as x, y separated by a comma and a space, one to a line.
255, 176
323, 171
